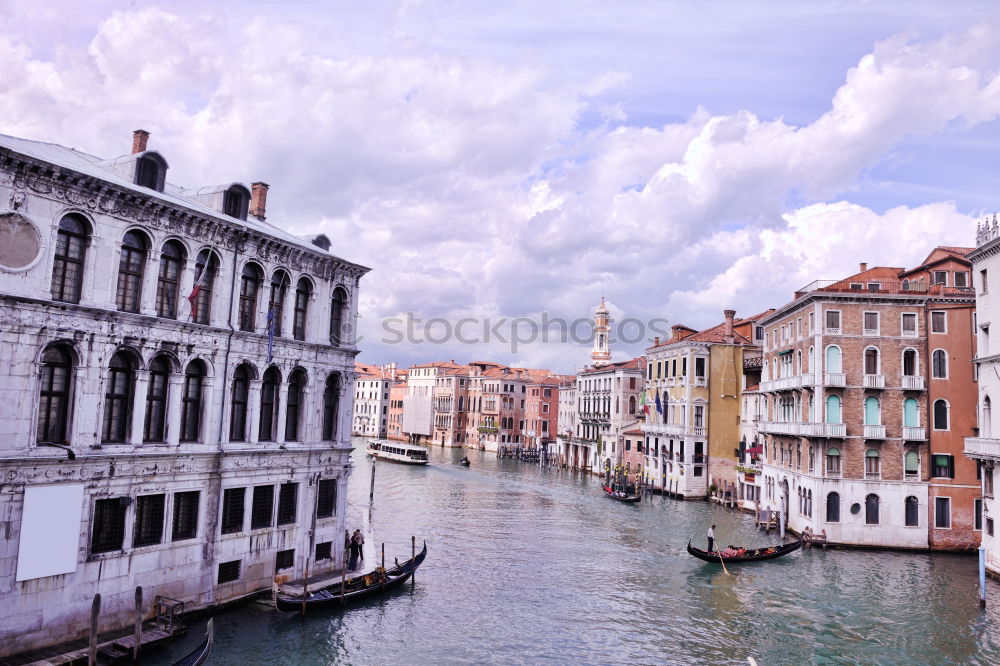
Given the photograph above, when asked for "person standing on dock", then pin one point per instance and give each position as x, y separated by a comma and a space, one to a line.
711, 539
358, 543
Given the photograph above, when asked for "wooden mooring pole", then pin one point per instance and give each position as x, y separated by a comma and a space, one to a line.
371, 493
413, 561
95, 611
138, 623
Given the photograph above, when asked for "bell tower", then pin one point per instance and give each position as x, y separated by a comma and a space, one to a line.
601, 355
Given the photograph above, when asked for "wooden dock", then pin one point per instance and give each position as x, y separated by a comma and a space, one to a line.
111, 647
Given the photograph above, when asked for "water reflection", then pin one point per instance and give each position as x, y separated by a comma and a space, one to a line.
537, 566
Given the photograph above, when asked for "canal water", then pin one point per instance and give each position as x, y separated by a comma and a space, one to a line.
530, 566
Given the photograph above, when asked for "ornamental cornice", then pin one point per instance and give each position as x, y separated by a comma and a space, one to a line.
67, 187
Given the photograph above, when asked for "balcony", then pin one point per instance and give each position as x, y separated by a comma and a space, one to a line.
874, 432
873, 476
911, 476
697, 431
701, 381
832, 474
914, 432
874, 381
870, 332
829, 330
913, 383
834, 430
834, 379
778, 428
982, 447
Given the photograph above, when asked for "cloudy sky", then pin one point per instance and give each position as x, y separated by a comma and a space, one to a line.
520, 159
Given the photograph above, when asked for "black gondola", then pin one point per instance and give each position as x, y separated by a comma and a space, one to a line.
619, 495
752, 554
464, 462
353, 589
200, 653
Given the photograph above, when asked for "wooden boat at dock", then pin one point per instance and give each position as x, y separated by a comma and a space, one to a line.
353, 589
620, 495
401, 452
198, 656
749, 555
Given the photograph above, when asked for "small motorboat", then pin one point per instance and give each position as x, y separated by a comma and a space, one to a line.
736, 555
464, 462
620, 495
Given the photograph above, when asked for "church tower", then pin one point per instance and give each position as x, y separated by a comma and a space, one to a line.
602, 349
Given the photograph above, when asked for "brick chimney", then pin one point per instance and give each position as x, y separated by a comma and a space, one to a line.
656, 341
258, 200
864, 267
730, 314
139, 139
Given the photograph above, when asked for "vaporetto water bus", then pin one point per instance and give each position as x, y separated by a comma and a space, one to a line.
411, 454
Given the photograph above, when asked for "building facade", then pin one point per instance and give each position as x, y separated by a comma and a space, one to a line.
371, 399
608, 399
195, 447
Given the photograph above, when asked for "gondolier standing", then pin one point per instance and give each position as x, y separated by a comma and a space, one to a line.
711, 539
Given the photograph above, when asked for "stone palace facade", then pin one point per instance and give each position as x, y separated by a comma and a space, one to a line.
175, 396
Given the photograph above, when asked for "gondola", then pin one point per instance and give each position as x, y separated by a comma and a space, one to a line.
464, 462
200, 653
620, 496
353, 589
752, 554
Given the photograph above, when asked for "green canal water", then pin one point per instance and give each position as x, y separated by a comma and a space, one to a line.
530, 566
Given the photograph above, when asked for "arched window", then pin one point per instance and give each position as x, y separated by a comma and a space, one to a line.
303, 291
128, 296
986, 423
55, 379
939, 364
912, 511
940, 415
873, 468
911, 416
461, 403
631, 404
809, 503
205, 269
249, 287
872, 415
194, 378
236, 201
169, 280
833, 409
269, 404
337, 305
833, 508
238, 412
117, 398
296, 384
833, 461
833, 359
871, 361
911, 464
276, 303
151, 172
156, 400
871, 509
910, 363
71, 250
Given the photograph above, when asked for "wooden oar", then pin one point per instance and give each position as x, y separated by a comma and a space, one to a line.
723, 563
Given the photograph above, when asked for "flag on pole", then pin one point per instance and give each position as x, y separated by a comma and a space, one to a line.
270, 333
659, 406
642, 403
193, 296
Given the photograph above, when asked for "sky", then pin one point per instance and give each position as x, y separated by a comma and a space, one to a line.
515, 162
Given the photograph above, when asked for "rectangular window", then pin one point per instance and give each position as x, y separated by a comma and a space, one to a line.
758, 333
232, 510
939, 277
262, 508
961, 279
149, 510
944, 466
107, 532
185, 516
286, 503
871, 323
284, 560
812, 322
942, 512
939, 322
983, 287
833, 321
324, 551
989, 526
908, 324
977, 510
326, 498
699, 367
229, 571
798, 328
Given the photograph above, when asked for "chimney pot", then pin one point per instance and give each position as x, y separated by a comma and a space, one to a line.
139, 139
730, 314
864, 267
258, 200
656, 340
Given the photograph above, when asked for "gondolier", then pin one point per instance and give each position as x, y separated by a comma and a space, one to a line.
711, 539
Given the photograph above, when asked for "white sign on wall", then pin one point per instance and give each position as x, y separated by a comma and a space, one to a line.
50, 530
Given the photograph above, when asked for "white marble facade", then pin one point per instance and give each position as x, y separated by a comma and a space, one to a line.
109, 504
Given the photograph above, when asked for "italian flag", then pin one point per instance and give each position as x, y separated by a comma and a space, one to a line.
642, 402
